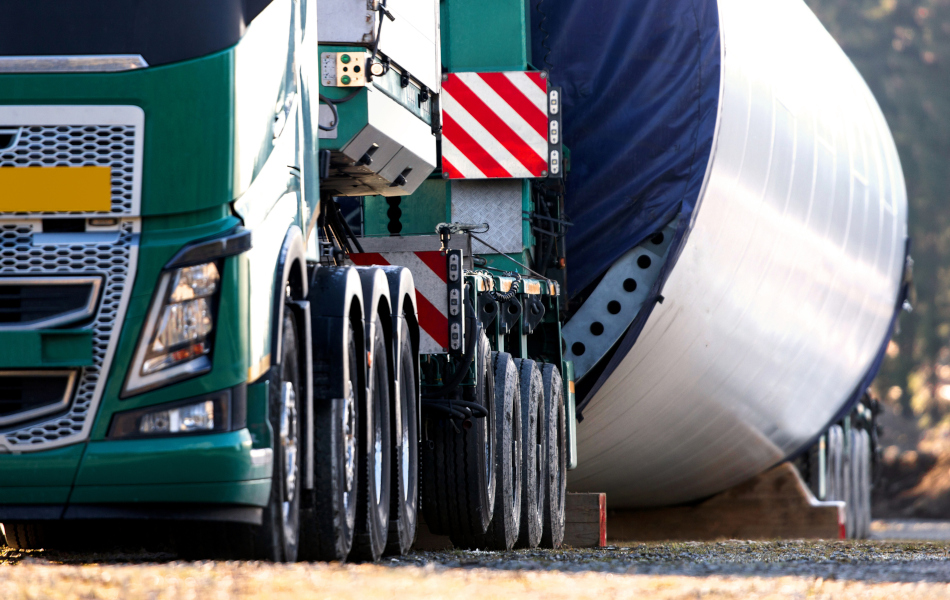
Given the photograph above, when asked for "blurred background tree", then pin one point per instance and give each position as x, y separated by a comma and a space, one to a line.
902, 48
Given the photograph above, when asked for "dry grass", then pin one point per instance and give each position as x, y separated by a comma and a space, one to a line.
661, 571
32, 580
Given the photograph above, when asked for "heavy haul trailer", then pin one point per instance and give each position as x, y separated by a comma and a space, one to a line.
468, 197
185, 336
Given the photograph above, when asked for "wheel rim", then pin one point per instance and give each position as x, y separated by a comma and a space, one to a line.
515, 461
404, 441
489, 399
288, 442
378, 452
561, 466
539, 464
349, 449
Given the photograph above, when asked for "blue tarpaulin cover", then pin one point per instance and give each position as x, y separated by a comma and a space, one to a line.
640, 85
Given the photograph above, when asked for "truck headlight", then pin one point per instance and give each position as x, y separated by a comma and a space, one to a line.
198, 415
176, 341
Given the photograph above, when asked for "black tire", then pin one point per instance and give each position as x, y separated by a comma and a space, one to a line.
859, 465
556, 459
403, 512
867, 483
372, 517
809, 467
836, 489
277, 537
328, 533
458, 494
505, 523
533, 471
26, 536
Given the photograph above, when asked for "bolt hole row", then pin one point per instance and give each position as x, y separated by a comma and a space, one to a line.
614, 307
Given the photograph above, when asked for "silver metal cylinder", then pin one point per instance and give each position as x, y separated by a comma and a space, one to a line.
786, 284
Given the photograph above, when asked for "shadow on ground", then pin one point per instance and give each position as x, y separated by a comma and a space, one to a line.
873, 561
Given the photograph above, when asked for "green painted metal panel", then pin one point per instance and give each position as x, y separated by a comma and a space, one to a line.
353, 113
527, 207
416, 214
253, 493
376, 219
258, 422
506, 262
45, 348
34, 495
214, 457
489, 35
189, 114
47, 468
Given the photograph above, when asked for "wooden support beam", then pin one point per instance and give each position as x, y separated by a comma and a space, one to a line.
774, 505
585, 520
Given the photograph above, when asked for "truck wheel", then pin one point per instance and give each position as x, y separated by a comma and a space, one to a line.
532, 455
847, 482
505, 523
458, 494
329, 534
860, 478
276, 539
556, 459
405, 475
26, 536
835, 463
372, 520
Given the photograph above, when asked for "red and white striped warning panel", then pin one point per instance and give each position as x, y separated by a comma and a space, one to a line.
430, 276
500, 125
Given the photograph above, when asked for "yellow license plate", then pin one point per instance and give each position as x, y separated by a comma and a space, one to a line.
55, 189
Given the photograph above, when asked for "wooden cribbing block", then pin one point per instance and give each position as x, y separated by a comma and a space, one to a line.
774, 505
585, 517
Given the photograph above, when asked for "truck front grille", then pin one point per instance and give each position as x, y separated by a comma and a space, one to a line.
46, 301
78, 136
112, 263
29, 395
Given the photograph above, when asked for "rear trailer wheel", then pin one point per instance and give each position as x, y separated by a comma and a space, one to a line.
328, 535
372, 520
860, 479
835, 468
847, 483
868, 481
505, 523
458, 493
533, 453
556, 459
405, 474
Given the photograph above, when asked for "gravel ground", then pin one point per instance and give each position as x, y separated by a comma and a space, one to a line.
729, 569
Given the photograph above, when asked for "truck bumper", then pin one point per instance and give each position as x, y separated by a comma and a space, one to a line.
209, 477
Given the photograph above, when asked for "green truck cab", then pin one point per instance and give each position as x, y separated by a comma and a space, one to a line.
183, 335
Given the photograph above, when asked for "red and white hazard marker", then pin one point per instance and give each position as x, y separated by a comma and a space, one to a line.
499, 125
429, 273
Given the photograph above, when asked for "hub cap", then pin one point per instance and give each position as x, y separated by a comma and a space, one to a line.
349, 448
404, 450
378, 453
288, 442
